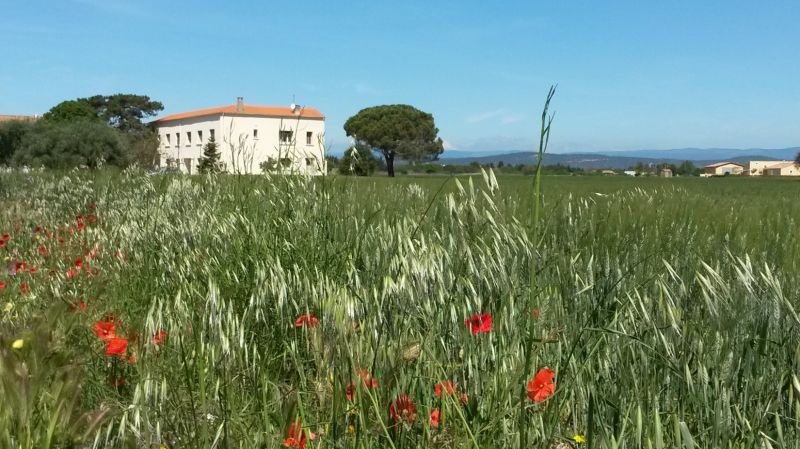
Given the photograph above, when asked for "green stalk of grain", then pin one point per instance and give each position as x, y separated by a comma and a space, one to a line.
544, 137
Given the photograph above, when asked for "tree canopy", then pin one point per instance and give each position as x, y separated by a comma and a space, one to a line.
70, 111
396, 131
71, 144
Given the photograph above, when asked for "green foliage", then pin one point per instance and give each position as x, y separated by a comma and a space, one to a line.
358, 160
211, 161
70, 111
124, 111
687, 168
12, 134
40, 386
397, 131
71, 144
668, 315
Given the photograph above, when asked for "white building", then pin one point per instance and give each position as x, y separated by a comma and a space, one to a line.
251, 139
782, 168
772, 168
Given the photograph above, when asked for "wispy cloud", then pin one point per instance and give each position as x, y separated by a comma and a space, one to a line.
117, 7
498, 114
365, 89
447, 145
483, 116
512, 118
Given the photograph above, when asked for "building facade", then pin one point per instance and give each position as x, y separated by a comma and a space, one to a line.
250, 139
724, 168
782, 168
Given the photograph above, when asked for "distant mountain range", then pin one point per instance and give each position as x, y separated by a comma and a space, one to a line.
624, 159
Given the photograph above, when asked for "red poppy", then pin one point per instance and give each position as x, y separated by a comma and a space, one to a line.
369, 381
542, 385
436, 416
42, 250
449, 388
479, 323
106, 330
38, 230
116, 346
79, 262
33, 270
535, 313
308, 320
81, 306
72, 272
297, 436
2, 285
403, 409
159, 337
2, 244
24, 288
91, 218
20, 266
6, 237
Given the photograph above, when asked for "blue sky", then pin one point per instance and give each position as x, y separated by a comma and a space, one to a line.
630, 75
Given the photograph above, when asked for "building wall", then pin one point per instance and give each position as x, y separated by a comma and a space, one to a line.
723, 169
245, 142
782, 170
756, 168
178, 149
248, 141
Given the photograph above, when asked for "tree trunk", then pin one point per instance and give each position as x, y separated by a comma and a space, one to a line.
390, 164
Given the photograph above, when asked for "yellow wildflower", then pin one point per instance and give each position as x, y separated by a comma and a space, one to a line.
18, 343
7, 308
580, 439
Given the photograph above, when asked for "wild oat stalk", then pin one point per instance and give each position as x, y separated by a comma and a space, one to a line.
529, 340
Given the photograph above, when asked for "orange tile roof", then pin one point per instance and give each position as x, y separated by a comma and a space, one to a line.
21, 118
265, 111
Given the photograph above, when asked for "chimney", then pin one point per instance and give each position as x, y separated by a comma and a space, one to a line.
239, 104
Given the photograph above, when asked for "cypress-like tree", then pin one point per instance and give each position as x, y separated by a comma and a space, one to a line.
210, 162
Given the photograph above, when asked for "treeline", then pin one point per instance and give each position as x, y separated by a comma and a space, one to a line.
360, 160
102, 130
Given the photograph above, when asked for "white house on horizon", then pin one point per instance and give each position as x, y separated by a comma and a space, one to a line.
251, 139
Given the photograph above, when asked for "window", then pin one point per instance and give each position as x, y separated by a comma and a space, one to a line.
211, 133
177, 139
308, 138
285, 136
309, 161
200, 137
188, 138
255, 134
167, 137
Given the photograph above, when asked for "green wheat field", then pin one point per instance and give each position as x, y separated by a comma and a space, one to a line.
264, 312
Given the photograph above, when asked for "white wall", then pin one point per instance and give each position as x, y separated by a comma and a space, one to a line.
244, 152
181, 149
247, 141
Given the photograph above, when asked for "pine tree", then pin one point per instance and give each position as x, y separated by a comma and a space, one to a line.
210, 162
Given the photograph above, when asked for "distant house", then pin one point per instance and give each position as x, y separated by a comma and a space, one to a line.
665, 172
18, 118
756, 168
251, 139
783, 168
608, 172
630, 172
724, 168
